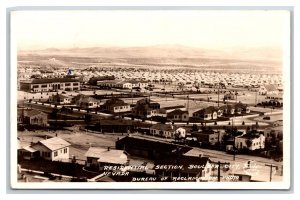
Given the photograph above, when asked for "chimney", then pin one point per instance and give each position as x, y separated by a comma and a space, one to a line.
46, 137
108, 148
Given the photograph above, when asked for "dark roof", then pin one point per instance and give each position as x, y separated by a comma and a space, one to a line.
29, 112
173, 107
60, 96
146, 101
185, 161
163, 127
249, 136
53, 80
209, 109
206, 132
240, 105
178, 112
115, 102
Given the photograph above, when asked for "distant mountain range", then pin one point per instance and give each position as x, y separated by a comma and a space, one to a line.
266, 54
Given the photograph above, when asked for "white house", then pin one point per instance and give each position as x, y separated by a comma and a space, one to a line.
250, 141
87, 102
163, 130
180, 132
59, 99
206, 113
54, 149
178, 115
115, 105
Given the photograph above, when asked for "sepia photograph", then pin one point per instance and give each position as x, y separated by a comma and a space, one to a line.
150, 99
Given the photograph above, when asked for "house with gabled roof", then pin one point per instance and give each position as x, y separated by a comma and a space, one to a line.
32, 117
116, 105
227, 109
84, 101
163, 130
59, 99
251, 141
241, 108
178, 115
146, 108
54, 149
206, 113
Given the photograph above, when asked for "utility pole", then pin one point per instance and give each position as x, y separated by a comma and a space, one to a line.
188, 102
255, 98
219, 168
218, 94
271, 170
233, 140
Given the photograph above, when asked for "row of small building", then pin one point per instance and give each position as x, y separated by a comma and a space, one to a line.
74, 84
147, 108
97, 158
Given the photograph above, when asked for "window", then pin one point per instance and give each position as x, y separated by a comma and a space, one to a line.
55, 153
45, 154
44, 86
65, 150
75, 84
207, 170
67, 84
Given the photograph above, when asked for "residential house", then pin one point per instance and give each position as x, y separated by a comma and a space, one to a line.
85, 101
163, 130
59, 99
32, 117
54, 149
250, 141
98, 157
146, 108
25, 152
202, 171
178, 115
115, 105
227, 109
241, 108
180, 132
208, 137
50, 84
208, 113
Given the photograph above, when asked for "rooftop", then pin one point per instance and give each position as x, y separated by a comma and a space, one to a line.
106, 155
54, 143
53, 80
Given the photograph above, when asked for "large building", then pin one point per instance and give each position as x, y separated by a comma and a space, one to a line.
53, 84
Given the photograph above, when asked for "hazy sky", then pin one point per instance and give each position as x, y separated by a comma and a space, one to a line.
204, 29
